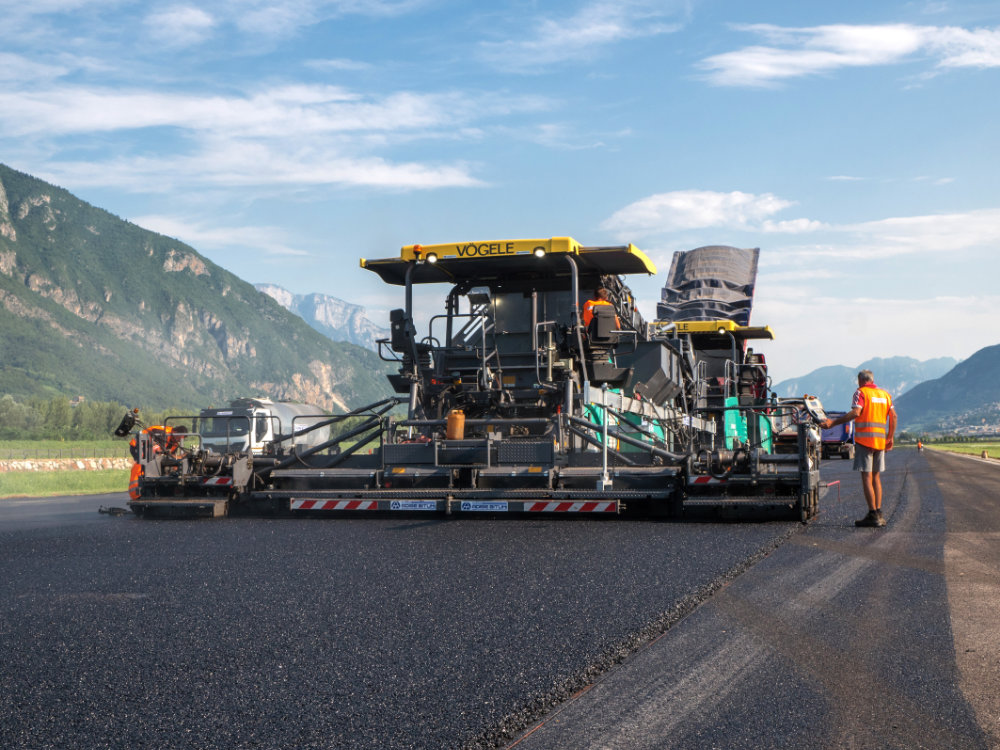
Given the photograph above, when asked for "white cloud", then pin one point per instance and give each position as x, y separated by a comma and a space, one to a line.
285, 135
698, 209
268, 240
682, 210
930, 234
337, 64
552, 40
18, 69
562, 136
961, 48
796, 52
938, 233
285, 111
282, 18
97, 22
794, 226
42, 7
180, 26
236, 164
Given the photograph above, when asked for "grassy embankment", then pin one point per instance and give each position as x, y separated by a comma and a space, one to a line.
51, 483
991, 447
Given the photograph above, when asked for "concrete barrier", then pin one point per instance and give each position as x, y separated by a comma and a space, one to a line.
66, 464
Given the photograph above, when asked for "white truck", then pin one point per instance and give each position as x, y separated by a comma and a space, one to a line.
261, 426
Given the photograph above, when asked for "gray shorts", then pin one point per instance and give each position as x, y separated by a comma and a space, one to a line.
868, 459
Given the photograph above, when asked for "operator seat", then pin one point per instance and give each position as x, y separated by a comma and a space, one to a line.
602, 337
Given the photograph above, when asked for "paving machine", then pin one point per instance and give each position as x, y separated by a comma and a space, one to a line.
530, 395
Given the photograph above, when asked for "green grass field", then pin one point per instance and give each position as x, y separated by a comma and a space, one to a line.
992, 447
12, 450
51, 483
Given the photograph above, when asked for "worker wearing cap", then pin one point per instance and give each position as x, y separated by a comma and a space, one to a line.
600, 298
874, 427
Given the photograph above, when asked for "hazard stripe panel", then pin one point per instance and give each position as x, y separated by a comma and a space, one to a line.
569, 507
217, 480
334, 505
707, 480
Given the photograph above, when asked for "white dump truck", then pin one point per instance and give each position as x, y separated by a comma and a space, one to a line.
260, 425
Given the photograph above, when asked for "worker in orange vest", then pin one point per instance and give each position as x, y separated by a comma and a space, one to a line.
874, 427
164, 441
600, 298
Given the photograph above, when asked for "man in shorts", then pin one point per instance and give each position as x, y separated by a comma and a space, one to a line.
874, 427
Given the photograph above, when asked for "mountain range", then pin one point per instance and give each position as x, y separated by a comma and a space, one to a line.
93, 305
334, 318
835, 384
966, 399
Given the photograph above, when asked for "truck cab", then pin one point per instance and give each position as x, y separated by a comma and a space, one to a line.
260, 426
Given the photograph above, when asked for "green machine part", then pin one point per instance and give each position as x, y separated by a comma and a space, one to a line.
736, 427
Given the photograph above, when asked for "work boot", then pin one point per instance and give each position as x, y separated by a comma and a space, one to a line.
881, 518
871, 520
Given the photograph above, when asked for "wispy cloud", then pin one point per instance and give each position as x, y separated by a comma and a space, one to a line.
257, 164
796, 52
337, 64
666, 214
276, 18
549, 40
19, 69
284, 135
180, 26
286, 111
183, 24
264, 239
937, 233
701, 209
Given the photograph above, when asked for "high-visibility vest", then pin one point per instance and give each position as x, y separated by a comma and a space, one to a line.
588, 310
133, 482
870, 426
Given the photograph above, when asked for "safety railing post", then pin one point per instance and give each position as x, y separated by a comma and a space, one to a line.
605, 480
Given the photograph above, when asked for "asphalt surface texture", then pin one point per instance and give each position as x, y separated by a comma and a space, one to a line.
841, 639
117, 632
419, 633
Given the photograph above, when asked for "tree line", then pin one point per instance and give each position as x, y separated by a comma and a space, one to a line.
57, 418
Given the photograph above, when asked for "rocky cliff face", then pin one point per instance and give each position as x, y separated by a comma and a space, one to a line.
95, 306
335, 318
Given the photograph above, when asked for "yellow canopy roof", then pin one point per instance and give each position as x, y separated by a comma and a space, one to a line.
505, 260
714, 328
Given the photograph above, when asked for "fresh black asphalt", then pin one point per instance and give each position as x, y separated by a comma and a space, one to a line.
421, 633
361, 633
841, 639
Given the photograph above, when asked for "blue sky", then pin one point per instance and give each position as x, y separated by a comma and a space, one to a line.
855, 143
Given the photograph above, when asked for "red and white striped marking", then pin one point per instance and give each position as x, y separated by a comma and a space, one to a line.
334, 505
569, 507
707, 480
217, 481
